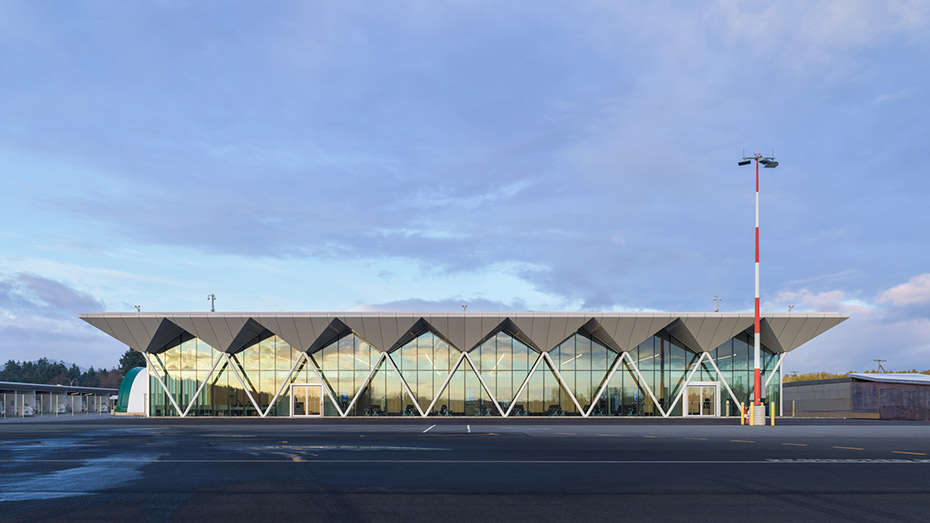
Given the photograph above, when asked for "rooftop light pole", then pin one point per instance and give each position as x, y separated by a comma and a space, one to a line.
769, 163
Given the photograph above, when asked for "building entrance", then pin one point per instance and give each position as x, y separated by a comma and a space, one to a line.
701, 399
307, 400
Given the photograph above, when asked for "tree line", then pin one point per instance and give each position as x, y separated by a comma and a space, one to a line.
45, 372
829, 375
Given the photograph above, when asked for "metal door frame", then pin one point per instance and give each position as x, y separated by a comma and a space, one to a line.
715, 401
302, 385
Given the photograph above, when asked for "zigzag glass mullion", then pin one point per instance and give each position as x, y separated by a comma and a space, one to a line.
610, 374
523, 386
775, 369
684, 387
366, 383
286, 383
645, 385
202, 385
232, 359
164, 383
160, 381
445, 383
403, 382
723, 380
562, 382
483, 384
325, 385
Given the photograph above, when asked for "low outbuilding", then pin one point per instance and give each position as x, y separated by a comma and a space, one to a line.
858, 395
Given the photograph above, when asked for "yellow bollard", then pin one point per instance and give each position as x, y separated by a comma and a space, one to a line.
742, 413
772, 411
752, 416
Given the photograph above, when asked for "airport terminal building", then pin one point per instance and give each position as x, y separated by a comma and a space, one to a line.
465, 364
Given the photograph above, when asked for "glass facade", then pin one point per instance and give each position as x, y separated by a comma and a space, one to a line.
428, 376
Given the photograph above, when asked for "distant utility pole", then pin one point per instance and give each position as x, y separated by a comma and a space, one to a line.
716, 299
138, 308
880, 368
212, 298
789, 308
464, 308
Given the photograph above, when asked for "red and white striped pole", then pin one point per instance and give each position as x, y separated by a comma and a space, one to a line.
768, 162
757, 343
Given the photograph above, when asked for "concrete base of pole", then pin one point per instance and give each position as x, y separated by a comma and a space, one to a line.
758, 415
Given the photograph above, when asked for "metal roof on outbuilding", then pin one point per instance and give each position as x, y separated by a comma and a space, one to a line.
12, 386
910, 379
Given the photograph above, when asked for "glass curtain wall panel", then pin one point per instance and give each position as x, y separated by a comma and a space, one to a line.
183, 368
504, 363
464, 395
734, 358
544, 395
345, 365
583, 363
664, 363
383, 395
424, 364
264, 366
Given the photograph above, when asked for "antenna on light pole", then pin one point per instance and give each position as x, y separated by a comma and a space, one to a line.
789, 308
138, 308
212, 298
464, 308
880, 368
716, 299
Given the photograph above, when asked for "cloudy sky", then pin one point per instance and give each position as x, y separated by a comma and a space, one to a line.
544, 156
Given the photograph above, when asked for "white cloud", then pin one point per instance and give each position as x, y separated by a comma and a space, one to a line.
819, 37
806, 300
914, 291
893, 97
876, 329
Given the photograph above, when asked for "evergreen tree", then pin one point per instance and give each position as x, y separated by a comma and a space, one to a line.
130, 359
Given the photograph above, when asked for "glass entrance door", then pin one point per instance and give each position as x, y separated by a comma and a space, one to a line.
701, 399
307, 400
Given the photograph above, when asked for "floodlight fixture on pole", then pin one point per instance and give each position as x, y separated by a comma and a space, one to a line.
212, 298
769, 163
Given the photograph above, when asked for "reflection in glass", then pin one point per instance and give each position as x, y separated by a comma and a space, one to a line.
426, 363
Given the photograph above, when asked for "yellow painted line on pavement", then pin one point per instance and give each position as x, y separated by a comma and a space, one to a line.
911, 453
796, 444
741, 441
848, 448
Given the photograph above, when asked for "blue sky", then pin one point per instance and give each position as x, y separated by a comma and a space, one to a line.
546, 156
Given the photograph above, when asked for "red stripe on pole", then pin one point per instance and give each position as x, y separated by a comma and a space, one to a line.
758, 320
757, 245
